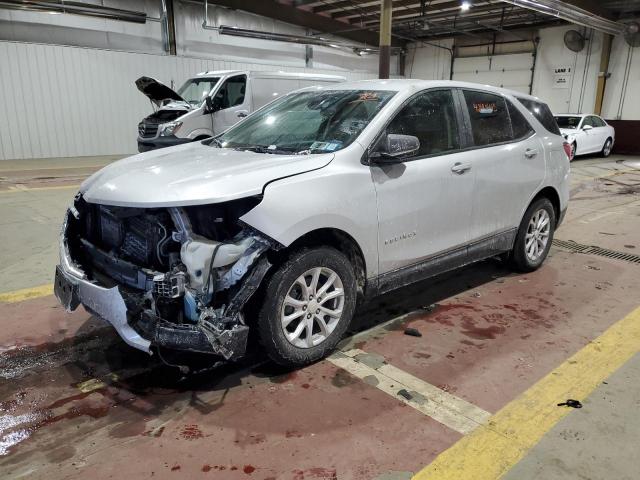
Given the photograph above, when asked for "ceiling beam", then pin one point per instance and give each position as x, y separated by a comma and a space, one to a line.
303, 18
437, 7
327, 7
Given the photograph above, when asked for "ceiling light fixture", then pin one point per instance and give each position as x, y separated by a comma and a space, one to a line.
464, 6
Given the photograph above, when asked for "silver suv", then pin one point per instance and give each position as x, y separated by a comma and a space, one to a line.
324, 197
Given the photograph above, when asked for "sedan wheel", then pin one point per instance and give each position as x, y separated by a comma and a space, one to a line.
606, 149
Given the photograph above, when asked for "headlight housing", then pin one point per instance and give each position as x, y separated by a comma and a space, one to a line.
170, 128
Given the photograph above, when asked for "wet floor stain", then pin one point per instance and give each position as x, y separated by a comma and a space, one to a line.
191, 432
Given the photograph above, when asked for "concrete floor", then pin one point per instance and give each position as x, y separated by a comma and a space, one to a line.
76, 401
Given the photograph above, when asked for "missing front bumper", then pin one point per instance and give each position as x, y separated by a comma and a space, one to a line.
106, 303
150, 330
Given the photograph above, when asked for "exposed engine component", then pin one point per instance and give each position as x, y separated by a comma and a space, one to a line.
170, 284
184, 273
133, 234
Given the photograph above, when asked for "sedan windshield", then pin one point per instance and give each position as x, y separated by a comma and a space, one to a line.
568, 122
307, 122
195, 90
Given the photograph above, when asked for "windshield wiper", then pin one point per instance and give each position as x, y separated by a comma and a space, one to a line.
215, 142
263, 149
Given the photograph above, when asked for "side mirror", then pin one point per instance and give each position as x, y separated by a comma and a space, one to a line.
587, 127
212, 104
394, 147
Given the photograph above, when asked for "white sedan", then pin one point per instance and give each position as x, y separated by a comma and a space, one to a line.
586, 134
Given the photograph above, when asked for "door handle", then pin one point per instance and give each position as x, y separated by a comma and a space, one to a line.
460, 168
530, 153
241, 114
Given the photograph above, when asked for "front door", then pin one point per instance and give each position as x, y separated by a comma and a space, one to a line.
424, 202
234, 103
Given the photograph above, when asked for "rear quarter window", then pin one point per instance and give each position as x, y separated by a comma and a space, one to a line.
542, 113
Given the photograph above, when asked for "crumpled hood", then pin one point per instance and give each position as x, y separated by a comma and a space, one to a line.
192, 174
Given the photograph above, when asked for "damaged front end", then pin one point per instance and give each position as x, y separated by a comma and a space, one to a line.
175, 277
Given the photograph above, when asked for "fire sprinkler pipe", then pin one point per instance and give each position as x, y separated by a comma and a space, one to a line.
571, 13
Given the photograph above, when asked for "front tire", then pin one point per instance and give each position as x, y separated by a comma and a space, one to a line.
534, 236
308, 305
606, 148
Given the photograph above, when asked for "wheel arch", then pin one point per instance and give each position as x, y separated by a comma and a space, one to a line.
341, 241
552, 195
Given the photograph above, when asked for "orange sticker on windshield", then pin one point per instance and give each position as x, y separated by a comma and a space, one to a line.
368, 96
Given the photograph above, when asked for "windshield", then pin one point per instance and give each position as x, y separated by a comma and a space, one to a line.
568, 122
307, 122
195, 90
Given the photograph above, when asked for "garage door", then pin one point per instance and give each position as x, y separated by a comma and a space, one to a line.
511, 71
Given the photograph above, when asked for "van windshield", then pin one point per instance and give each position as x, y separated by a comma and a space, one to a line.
568, 122
307, 122
195, 90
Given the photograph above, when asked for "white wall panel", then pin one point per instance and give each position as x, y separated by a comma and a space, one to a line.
428, 62
622, 95
70, 101
579, 96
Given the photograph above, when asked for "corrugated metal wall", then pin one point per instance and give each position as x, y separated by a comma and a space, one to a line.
62, 101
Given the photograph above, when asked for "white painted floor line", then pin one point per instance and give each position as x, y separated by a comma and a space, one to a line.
451, 411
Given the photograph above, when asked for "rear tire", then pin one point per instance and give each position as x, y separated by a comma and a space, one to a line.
294, 327
534, 236
606, 148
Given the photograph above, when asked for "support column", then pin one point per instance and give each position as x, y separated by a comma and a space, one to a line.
385, 38
168, 27
603, 73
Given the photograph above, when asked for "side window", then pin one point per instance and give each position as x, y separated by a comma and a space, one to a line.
588, 121
489, 118
542, 113
232, 92
430, 116
598, 122
519, 124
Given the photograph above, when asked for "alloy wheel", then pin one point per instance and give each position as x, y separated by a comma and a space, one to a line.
537, 236
312, 308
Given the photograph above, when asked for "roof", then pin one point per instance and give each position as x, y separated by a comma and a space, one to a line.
573, 114
416, 84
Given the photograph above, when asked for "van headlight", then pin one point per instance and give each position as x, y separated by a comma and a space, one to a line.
170, 128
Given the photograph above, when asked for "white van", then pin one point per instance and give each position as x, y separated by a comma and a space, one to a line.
211, 102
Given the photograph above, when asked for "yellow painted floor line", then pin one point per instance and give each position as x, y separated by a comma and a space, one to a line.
492, 449
26, 294
443, 407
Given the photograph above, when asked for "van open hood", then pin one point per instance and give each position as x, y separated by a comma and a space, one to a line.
156, 91
192, 174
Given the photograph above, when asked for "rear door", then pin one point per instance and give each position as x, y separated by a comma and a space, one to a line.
508, 162
235, 103
602, 131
